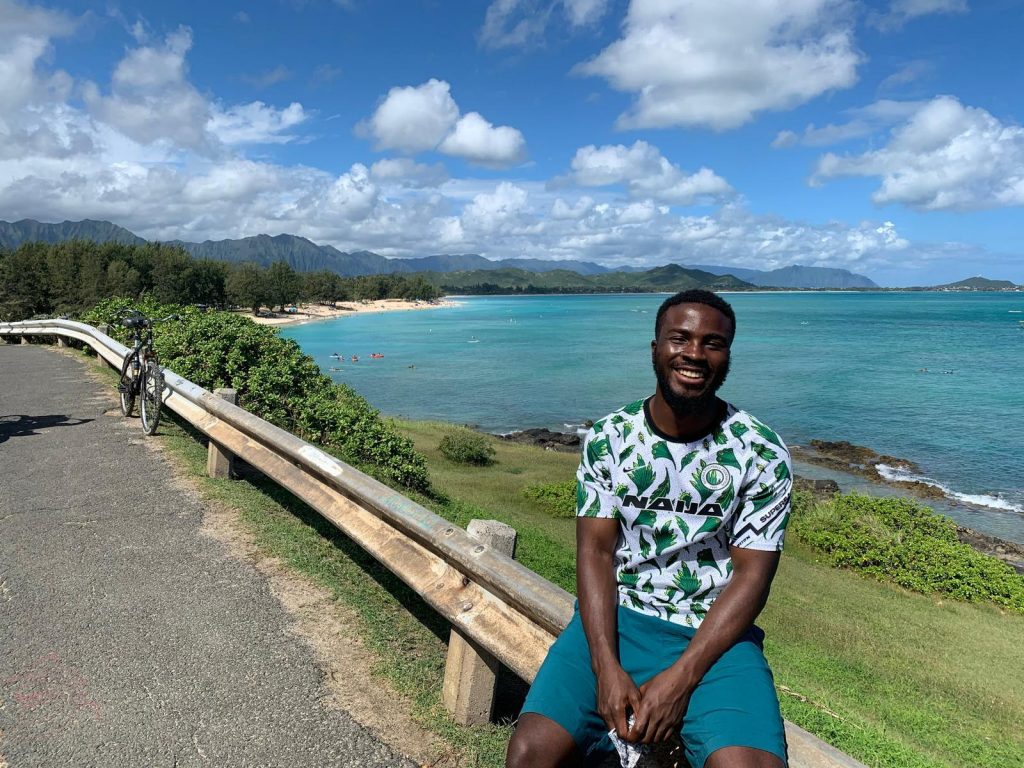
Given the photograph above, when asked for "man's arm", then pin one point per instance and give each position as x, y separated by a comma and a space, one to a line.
596, 539
664, 697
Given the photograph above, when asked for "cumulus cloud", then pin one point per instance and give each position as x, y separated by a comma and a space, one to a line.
718, 64
645, 172
947, 156
902, 11
412, 118
864, 121
255, 123
517, 23
476, 140
25, 35
425, 117
405, 172
151, 98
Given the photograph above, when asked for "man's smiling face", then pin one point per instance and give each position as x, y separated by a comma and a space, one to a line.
691, 356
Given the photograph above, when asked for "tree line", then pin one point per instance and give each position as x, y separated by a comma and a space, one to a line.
70, 277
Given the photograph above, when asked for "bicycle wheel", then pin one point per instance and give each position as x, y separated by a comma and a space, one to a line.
152, 392
126, 388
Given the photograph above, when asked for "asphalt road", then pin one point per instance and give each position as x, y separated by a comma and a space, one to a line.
127, 638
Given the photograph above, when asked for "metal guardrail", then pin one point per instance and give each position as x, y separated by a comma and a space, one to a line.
510, 611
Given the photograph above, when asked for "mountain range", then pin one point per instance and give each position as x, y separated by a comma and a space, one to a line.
305, 256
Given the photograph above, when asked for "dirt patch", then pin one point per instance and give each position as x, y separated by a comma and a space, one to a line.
325, 626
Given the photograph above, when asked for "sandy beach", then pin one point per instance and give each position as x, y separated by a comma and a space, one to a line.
313, 312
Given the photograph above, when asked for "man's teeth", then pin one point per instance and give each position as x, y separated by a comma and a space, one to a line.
690, 374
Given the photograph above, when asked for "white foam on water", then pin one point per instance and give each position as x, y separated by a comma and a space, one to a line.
898, 474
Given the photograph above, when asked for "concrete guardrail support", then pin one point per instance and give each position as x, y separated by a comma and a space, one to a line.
470, 672
219, 461
25, 341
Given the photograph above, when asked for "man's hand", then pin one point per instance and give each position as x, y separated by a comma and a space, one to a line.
617, 696
663, 702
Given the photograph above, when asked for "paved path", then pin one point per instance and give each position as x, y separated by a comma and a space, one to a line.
126, 637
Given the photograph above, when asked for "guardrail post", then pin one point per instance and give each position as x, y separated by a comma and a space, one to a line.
220, 462
61, 342
24, 340
470, 672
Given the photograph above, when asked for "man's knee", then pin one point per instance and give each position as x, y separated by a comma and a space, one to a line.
540, 743
743, 757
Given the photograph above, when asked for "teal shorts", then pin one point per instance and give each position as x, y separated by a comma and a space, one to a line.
735, 705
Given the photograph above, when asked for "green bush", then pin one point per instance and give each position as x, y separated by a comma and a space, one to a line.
464, 446
904, 542
559, 499
276, 381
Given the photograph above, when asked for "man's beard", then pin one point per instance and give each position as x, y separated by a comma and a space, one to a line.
687, 405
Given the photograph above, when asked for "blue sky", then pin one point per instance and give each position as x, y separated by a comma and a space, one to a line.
881, 137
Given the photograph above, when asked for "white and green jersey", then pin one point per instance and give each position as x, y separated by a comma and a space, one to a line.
681, 505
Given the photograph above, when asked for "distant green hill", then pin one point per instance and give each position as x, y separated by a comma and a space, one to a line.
671, 277
13, 234
978, 284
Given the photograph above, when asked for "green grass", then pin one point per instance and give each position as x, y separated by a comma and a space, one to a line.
893, 678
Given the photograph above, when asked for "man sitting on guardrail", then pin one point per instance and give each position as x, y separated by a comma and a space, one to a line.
682, 506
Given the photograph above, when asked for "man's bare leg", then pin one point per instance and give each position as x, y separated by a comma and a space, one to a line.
540, 742
742, 757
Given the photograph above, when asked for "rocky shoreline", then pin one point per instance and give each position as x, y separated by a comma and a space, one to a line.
839, 455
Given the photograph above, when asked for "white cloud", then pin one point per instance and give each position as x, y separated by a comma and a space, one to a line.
25, 35
407, 173
717, 64
425, 117
518, 23
496, 211
270, 77
945, 157
255, 123
902, 11
645, 172
151, 99
413, 118
864, 122
476, 140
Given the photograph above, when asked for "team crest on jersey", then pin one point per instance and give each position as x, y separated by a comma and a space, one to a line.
715, 477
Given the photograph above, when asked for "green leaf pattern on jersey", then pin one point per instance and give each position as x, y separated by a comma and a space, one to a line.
642, 476
660, 450
738, 430
682, 505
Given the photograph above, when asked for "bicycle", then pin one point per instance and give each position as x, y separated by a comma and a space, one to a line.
142, 377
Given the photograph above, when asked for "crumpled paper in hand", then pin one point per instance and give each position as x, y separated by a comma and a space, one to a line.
629, 753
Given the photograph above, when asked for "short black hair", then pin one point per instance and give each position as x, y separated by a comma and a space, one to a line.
696, 296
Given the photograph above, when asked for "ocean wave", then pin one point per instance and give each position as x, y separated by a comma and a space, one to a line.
898, 474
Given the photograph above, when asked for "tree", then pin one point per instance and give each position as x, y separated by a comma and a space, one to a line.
204, 283
123, 280
24, 282
246, 286
283, 284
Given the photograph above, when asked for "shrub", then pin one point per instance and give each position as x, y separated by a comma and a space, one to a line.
276, 381
904, 542
559, 499
464, 446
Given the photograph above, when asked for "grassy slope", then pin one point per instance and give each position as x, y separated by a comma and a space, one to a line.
891, 677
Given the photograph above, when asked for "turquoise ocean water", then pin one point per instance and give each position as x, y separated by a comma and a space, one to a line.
835, 366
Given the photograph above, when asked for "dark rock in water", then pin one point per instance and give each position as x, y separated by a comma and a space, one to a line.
821, 488
545, 438
1008, 551
843, 456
